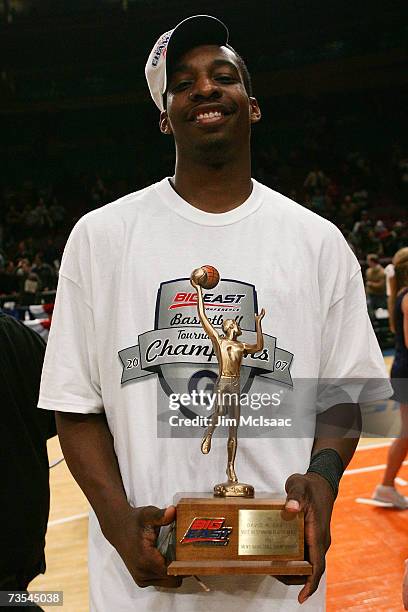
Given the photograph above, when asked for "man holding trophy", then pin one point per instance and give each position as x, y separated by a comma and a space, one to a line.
123, 301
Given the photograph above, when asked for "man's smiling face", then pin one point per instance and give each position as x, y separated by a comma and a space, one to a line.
208, 108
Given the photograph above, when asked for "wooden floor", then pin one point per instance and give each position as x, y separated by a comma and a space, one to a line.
365, 562
369, 544
66, 550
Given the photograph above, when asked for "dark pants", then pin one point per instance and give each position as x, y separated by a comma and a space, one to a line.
19, 581
374, 302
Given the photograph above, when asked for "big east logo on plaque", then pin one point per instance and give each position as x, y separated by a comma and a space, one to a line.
232, 530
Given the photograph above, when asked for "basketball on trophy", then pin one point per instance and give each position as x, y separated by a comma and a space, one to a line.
206, 276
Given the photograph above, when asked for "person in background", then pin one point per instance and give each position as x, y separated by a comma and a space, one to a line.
400, 256
316, 180
375, 284
386, 491
8, 280
45, 273
23, 457
29, 282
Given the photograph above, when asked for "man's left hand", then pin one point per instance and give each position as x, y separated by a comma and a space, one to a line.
312, 494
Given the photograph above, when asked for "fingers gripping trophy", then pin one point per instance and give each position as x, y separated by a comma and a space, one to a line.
229, 352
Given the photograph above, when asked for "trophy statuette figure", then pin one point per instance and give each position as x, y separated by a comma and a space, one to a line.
229, 352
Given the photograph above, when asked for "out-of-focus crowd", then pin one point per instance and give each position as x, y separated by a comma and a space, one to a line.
35, 222
356, 214
32, 236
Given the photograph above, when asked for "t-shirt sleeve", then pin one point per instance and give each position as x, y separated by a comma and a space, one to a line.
70, 380
352, 366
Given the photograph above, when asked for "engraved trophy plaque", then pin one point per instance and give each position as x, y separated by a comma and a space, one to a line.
233, 530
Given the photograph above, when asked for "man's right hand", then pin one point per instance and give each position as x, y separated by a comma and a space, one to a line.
135, 540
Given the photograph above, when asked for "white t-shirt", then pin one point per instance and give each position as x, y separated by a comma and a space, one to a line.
117, 345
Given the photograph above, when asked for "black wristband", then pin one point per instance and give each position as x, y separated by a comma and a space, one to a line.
328, 463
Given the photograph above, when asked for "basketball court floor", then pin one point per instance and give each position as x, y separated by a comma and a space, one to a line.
364, 564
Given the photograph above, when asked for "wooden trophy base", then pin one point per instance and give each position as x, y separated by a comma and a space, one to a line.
237, 535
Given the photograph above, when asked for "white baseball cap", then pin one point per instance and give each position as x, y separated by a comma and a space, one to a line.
193, 31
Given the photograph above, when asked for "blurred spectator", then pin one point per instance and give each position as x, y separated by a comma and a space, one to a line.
315, 181
8, 280
22, 252
333, 190
360, 167
380, 230
375, 284
347, 211
399, 233
371, 242
41, 217
23, 269
318, 201
57, 213
29, 282
363, 224
45, 273
51, 254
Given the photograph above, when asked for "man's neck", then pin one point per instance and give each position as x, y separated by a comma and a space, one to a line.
213, 189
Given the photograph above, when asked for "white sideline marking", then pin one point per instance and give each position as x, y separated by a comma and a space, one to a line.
68, 519
370, 446
370, 468
401, 481
56, 462
373, 502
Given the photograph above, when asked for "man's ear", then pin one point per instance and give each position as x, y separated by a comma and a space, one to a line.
255, 110
164, 123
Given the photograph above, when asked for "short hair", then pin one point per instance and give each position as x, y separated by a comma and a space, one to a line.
373, 257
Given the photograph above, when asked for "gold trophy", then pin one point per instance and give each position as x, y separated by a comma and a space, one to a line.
232, 531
